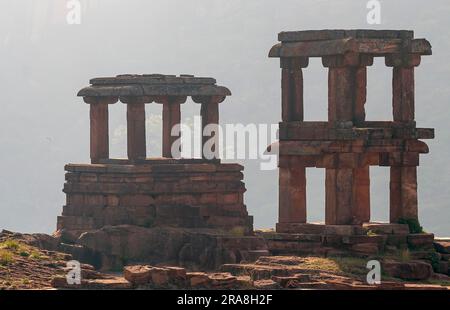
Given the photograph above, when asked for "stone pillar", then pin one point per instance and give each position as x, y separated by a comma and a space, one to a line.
210, 117
403, 194
361, 195
339, 196
347, 190
171, 118
136, 141
99, 129
403, 85
361, 181
292, 88
292, 173
292, 190
403, 183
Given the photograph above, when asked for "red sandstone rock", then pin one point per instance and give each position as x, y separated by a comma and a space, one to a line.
442, 246
222, 280
266, 284
443, 267
198, 279
414, 270
176, 272
138, 275
291, 281
111, 283
420, 240
160, 276
365, 248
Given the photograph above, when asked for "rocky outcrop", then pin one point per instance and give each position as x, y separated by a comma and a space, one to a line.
413, 270
115, 246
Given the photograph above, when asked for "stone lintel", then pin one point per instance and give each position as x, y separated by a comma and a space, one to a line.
154, 165
374, 47
318, 228
304, 133
317, 147
333, 34
153, 85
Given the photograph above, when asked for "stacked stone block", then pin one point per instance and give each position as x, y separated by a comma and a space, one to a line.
190, 195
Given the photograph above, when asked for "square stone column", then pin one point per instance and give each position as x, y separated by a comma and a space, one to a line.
403, 183
99, 128
347, 190
136, 139
339, 196
361, 195
403, 194
292, 88
292, 173
292, 190
171, 117
209, 112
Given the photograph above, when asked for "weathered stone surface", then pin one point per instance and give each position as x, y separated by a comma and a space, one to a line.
328, 34
176, 273
348, 46
291, 281
151, 87
442, 246
111, 245
184, 193
222, 280
420, 240
445, 257
138, 274
266, 284
160, 276
443, 267
441, 277
381, 228
414, 270
112, 283
198, 279
365, 248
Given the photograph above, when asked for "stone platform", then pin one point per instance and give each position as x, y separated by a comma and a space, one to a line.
180, 193
367, 239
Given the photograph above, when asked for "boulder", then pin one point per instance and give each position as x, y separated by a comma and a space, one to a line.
413, 270
442, 246
176, 273
160, 276
420, 240
198, 279
445, 257
222, 280
138, 275
441, 277
443, 267
266, 284
291, 281
365, 248
194, 248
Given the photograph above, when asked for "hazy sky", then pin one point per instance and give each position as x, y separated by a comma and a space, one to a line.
44, 62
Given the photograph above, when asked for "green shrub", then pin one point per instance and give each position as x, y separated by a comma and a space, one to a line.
434, 260
413, 224
24, 254
6, 258
12, 245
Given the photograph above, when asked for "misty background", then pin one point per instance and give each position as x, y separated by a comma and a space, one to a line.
44, 62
